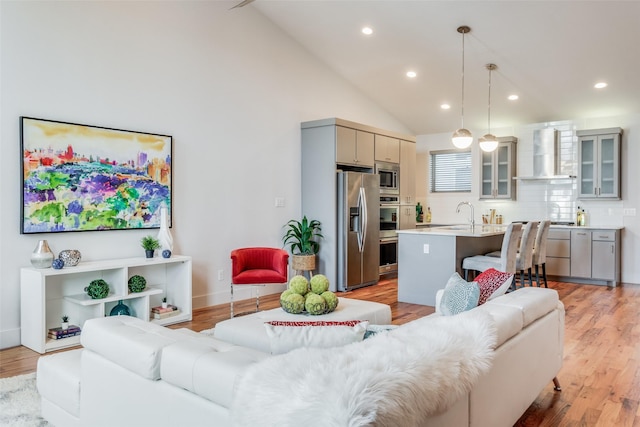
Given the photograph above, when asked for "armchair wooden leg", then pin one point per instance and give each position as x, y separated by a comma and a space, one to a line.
257, 299
544, 274
556, 384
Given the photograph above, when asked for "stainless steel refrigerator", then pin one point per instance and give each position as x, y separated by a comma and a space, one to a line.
358, 229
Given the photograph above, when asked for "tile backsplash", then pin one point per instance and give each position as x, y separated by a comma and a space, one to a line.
554, 199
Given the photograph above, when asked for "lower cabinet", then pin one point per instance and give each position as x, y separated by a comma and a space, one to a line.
559, 253
48, 294
605, 253
580, 253
584, 253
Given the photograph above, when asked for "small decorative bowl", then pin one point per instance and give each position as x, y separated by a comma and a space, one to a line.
70, 257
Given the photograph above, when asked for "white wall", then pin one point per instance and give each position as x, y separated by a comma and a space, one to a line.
229, 87
556, 199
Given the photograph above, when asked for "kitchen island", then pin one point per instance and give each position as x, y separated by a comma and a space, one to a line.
427, 257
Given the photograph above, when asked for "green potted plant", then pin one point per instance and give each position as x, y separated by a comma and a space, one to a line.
149, 244
303, 240
65, 322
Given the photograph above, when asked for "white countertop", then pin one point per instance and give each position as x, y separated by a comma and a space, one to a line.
483, 230
588, 227
479, 230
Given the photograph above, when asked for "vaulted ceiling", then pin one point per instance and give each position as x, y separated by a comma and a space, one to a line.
549, 53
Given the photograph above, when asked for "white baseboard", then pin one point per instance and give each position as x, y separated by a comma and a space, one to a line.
239, 293
9, 338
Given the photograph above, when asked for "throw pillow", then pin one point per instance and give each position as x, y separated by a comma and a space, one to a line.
286, 336
459, 295
493, 283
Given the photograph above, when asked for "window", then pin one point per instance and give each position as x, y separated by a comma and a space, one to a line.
450, 171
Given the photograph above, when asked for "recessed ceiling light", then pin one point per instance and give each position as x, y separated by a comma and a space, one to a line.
411, 74
600, 85
367, 30
445, 106
513, 97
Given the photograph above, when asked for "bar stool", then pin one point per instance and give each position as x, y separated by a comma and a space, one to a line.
540, 251
524, 258
507, 260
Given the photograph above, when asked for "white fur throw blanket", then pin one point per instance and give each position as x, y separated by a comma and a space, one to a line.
399, 378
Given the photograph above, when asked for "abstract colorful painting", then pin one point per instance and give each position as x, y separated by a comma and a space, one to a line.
85, 178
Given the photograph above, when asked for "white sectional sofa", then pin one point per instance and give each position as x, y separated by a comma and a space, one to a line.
134, 373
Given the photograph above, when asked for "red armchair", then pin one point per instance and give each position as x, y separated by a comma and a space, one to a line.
258, 267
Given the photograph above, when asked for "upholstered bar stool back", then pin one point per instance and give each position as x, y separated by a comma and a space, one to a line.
524, 258
540, 251
507, 261
258, 266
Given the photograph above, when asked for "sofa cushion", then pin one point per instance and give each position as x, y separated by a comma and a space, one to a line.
492, 283
207, 367
286, 336
58, 380
129, 342
533, 302
508, 320
458, 296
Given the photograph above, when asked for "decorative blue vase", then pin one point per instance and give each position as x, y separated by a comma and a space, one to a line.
120, 310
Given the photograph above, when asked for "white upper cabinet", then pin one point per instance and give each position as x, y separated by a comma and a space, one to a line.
387, 149
497, 170
599, 163
354, 147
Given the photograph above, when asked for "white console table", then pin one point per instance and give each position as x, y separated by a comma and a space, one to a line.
48, 294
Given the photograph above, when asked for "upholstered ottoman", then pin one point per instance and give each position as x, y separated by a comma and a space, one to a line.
249, 330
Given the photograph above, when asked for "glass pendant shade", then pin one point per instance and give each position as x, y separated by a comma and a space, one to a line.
462, 138
488, 142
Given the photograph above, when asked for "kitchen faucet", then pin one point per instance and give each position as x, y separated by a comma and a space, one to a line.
471, 218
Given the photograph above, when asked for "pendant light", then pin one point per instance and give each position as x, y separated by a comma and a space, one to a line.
489, 142
462, 138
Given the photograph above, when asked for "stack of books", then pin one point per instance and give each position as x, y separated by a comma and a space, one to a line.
59, 333
162, 313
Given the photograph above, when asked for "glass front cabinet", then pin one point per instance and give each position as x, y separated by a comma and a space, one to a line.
599, 163
497, 170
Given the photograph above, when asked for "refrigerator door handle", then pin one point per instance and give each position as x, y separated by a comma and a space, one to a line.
364, 223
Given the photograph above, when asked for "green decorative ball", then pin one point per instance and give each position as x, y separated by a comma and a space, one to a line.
285, 294
331, 299
319, 284
97, 289
315, 304
299, 285
293, 303
137, 283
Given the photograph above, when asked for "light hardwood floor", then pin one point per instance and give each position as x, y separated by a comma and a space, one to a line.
600, 377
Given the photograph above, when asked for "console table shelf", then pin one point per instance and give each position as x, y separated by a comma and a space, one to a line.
48, 294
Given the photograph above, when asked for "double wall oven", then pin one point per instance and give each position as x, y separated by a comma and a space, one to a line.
389, 225
389, 178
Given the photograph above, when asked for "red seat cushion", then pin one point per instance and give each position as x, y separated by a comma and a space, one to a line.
258, 276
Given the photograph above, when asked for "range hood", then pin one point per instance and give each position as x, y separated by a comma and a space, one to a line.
546, 156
